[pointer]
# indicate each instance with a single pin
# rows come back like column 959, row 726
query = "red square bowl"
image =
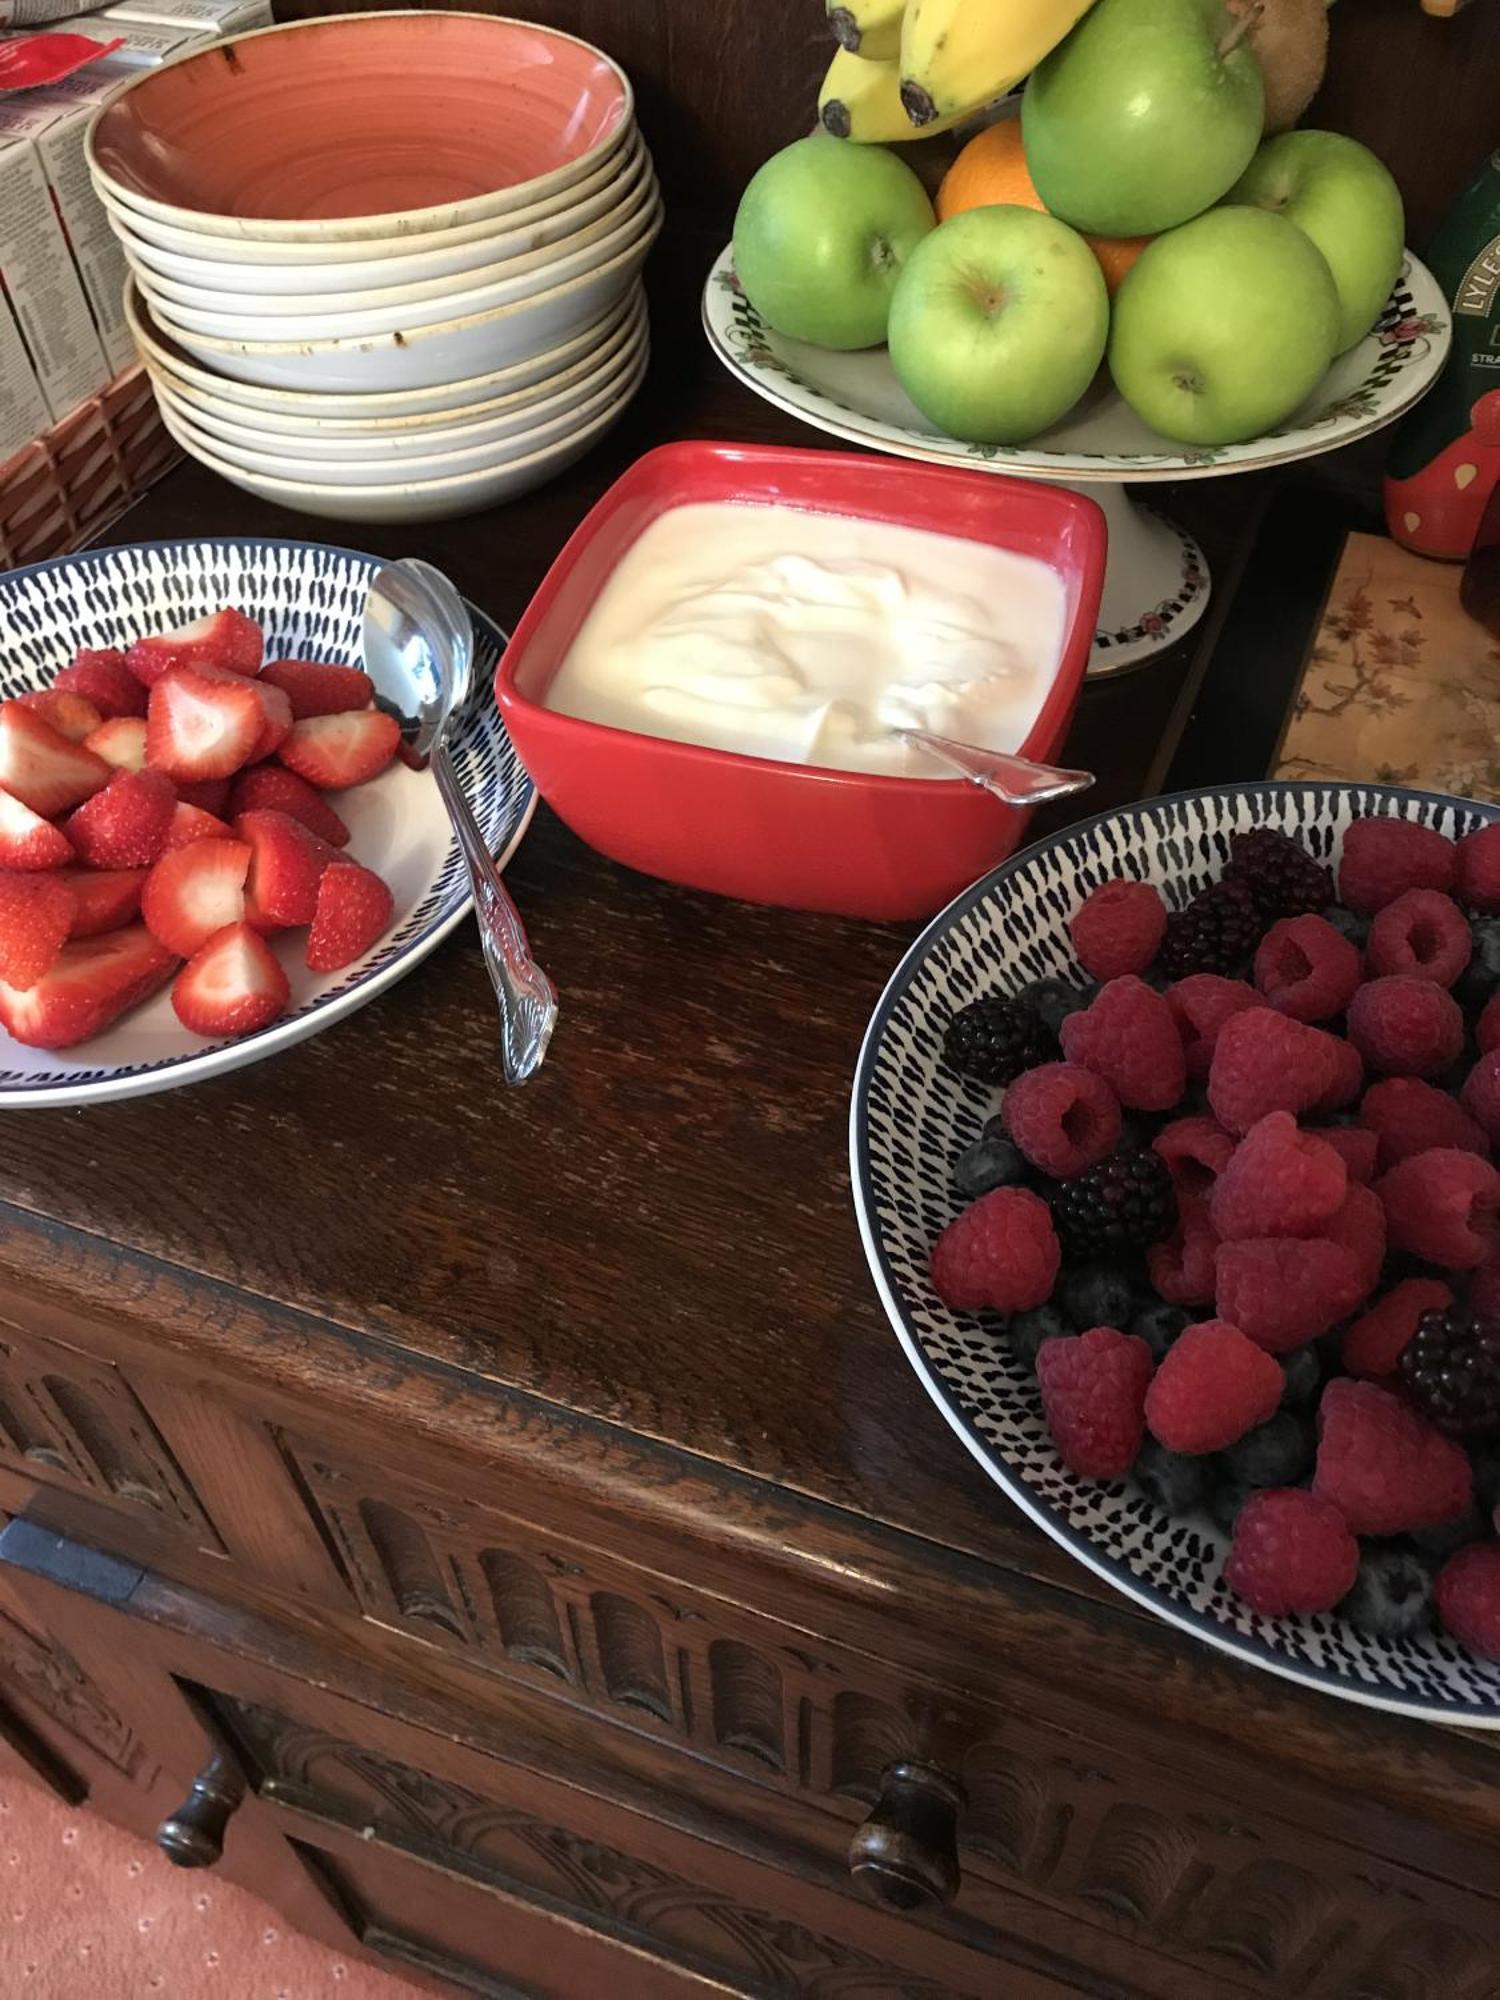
column 765, row 831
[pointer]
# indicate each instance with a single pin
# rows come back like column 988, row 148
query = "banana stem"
column 1242, row 25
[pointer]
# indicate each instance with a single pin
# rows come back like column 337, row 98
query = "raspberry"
column 1266, row 1062
column 1479, row 869
column 1404, row 1026
column 1215, row 932
column 1281, row 1182
column 1000, row 1255
column 1200, row 1005
column 1360, row 1228
column 1281, row 875
column 1481, row 1093
column 1063, row 1118
column 1422, row 933
column 1307, row 969
column 1129, row 1038
column 1358, row 1149
column 1291, row 1552
column 1196, row 1150
column 1347, row 1077
column 1386, row 1469
column 1410, row 1116
column 1372, row 1345
column 1094, row 1393
column 1182, row 1268
column 1284, row 1290
column 1442, row 1205
column 1487, row 1027
column 1467, row 1594
column 1384, row 857
column 1118, row 929
column 1212, row 1387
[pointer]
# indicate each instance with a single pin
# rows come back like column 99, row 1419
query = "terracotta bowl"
column 361, row 125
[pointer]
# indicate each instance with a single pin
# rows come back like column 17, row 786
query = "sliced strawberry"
column 210, row 795
column 126, row 824
column 194, row 892
column 121, row 742
column 354, row 909
column 332, row 751
column 42, row 769
column 232, row 985
column 27, row 840
column 273, row 788
column 103, row 678
column 104, row 898
column 36, row 914
column 285, row 871
column 93, row 982
column 190, row 823
column 318, row 690
column 71, row 715
column 201, row 727
column 225, row 639
column 276, row 721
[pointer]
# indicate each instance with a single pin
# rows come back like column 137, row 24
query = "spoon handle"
column 527, row 997
column 1017, row 781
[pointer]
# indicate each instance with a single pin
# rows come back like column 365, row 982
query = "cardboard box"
column 222, row 17
column 24, row 414
column 145, row 44
column 55, row 121
column 41, row 280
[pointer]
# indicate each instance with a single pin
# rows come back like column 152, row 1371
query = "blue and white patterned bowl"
column 910, row 1117
column 310, row 600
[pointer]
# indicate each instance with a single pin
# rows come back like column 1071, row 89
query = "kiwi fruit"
column 1290, row 38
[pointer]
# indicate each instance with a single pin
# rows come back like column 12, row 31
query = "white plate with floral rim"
column 857, row 396
column 310, row 601
column 910, row 1117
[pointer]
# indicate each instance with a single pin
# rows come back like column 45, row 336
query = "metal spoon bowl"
column 419, row 652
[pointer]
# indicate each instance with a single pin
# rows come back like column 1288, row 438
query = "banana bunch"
column 868, row 28
column 862, row 100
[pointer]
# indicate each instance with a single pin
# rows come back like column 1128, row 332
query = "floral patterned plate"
column 857, row 396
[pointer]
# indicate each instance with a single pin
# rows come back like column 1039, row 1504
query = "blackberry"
column 1176, row 1483
column 1096, row 1295
column 991, row 1162
column 1216, row 932
column 1053, row 1000
column 1123, row 1204
column 1282, row 877
column 1451, row 1368
column 1392, row 1595
column 1348, row 923
column 1276, row 1453
column 993, row 1040
column 1029, row 1329
column 1159, row 1326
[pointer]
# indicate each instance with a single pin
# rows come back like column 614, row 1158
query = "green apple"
column 998, row 323
column 822, row 233
column 1224, row 326
column 1339, row 194
column 1144, row 115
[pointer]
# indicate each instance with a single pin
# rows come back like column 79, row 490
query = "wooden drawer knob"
column 906, row 1853
column 193, row 1837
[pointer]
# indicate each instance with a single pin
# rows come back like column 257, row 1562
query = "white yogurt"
column 808, row 637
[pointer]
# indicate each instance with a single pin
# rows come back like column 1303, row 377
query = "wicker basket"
column 63, row 488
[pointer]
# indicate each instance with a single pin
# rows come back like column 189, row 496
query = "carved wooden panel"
column 75, row 1422
column 39, row 1670
column 510, row 1848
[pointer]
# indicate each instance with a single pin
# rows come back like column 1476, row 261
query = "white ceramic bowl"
column 441, row 458
column 316, row 437
column 197, row 263
column 396, row 406
column 422, row 356
column 415, row 500
column 274, row 261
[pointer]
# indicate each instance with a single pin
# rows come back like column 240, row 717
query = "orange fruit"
column 991, row 172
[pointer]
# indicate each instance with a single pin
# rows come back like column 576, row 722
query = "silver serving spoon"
column 1015, row 780
column 419, row 651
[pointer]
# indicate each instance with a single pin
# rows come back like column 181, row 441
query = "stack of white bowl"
column 371, row 364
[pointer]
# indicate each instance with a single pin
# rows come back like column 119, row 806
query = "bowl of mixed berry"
column 1174, row 1151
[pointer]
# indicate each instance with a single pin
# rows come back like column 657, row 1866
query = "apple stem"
column 1241, row 27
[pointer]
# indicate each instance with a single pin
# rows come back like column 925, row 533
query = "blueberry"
column 1175, row 1482
column 1392, row 1595
column 1304, row 1377
column 1446, row 1538
column 1096, row 1295
column 1225, row 1500
column 1485, row 932
column 1159, row 1326
column 1053, row 1000
column 1485, row 1459
column 1029, row 1329
column 1349, row 924
column 988, row 1164
column 1276, row 1453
